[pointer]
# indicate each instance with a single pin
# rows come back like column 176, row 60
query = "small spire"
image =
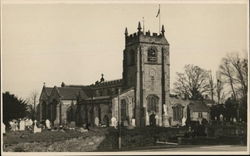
column 44, row 84
column 102, row 79
column 139, row 27
column 162, row 30
column 126, row 32
column 62, row 84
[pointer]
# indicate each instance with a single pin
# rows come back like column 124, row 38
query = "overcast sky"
column 75, row 43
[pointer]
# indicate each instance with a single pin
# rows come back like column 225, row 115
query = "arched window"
column 124, row 110
column 152, row 103
column 177, row 112
column 152, row 55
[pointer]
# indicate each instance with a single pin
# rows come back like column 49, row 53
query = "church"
column 141, row 98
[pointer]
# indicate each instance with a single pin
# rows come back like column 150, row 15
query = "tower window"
column 152, row 55
column 152, row 103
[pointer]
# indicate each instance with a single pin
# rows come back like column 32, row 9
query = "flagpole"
column 160, row 19
column 143, row 24
column 159, row 16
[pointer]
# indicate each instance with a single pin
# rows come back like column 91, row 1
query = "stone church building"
column 142, row 95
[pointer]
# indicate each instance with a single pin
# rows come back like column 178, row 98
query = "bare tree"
column 219, row 89
column 211, row 85
column 235, row 73
column 234, row 70
column 193, row 83
column 33, row 100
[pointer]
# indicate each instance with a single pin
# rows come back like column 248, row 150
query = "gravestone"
column 133, row 122
column 48, row 125
column 72, row 125
column 3, row 128
column 113, row 122
column 29, row 123
column 15, row 125
column 221, row 117
column 156, row 120
column 165, row 121
column 97, row 121
column 234, row 120
column 36, row 129
column 183, row 121
column 200, row 120
column 125, row 123
column 22, row 125
column 11, row 123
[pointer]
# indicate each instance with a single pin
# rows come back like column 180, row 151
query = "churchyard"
column 101, row 138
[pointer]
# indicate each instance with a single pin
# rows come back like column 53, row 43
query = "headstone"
column 28, row 123
column 11, row 123
column 165, row 121
column 72, row 125
column 47, row 123
column 3, row 128
column 15, row 125
column 183, row 121
column 200, row 120
column 221, row 117
column 156, row 120
column 22, row 125
column 113, row 122
column 82, row 130
column 125, row 123
column 215, row 118
column 165, row 109
column 234, row 120
column 36, row 129
column 97, row 121
column 133, row 122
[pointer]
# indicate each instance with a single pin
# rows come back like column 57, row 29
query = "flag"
column 158, row 13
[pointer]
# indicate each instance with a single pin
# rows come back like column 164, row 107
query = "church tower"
column 146, row 68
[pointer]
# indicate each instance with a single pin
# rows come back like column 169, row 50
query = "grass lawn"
column 70, row 140
column 104, row 139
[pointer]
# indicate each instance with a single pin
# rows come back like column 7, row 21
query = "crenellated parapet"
column 145, row 37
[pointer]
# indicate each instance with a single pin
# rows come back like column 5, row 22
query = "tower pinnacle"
column 126, row 32
column 139, row 27
column 162, row 30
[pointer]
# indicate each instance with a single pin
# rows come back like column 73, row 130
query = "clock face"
column 152, row 55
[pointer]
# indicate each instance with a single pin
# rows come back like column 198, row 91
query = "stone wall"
column 128, row 96
column 173, row 102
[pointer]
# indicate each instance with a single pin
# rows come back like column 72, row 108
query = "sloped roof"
column 48, row 90
column 70, row 93
column 198, row 106
column 110, row 83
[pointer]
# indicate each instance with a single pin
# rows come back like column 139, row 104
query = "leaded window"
column 178, row 113
column 152, row 101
